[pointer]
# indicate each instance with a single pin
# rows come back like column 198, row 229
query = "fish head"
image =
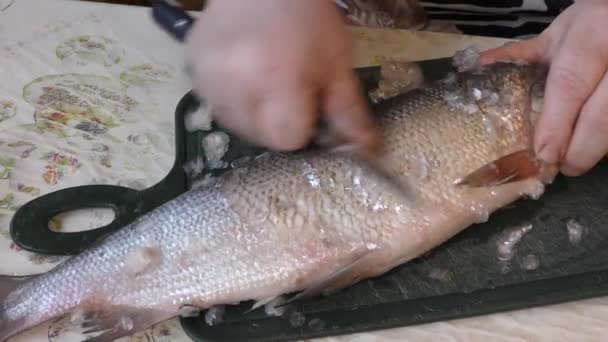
column 468, row 120
column 511, row 92
column 508, row 96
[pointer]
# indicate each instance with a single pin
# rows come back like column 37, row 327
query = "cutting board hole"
column 80, row 220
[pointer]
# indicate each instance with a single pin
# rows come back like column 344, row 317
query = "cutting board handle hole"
column 81, row 220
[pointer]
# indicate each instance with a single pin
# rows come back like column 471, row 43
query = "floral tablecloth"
column 88, row 95
column 81, row 104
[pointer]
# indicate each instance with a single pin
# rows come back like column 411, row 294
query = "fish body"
column 308, row 222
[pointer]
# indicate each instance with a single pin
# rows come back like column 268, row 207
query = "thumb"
column 347, row 111
column 531, row 50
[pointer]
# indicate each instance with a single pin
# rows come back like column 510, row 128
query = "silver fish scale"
column 282, row 223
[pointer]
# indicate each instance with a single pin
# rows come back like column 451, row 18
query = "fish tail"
column 10, row 326
column 105, row 323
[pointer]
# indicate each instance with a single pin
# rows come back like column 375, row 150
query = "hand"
column 269, row 70
column 573, row 126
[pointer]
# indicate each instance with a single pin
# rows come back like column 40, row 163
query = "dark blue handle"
column 173, row 20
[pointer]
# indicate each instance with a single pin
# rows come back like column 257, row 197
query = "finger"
column 347, row 111
column 531, row 50
column 589, row 142
column 575, row 71
column 287, row 117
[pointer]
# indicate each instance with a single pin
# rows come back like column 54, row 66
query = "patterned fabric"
column 78, row 105
column 496, row 18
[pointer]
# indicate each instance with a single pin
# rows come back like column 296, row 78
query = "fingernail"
column 549, row 154
column 571, row 171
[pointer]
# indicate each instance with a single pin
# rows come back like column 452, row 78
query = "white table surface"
column 29, row 32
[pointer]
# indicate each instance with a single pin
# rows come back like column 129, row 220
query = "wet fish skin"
column 310, row 222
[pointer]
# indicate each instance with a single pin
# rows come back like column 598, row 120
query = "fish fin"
column 95, row 326
column 104, row 325
column 512, row 167
column 345, row 276
column 275, row 307
column 8, row 284
column 258, row 304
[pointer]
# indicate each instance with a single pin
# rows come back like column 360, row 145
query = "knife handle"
column 173, row 20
